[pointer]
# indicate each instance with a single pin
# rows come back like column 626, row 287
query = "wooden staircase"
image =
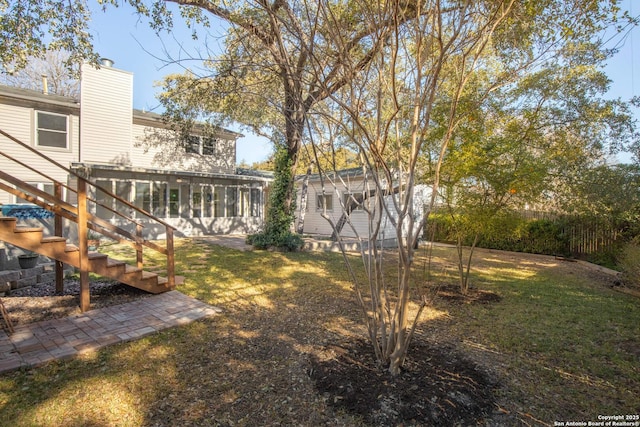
column 32, row 239
column 82, row 212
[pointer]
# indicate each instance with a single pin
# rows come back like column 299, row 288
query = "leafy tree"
column 518, row 147
column 444, row 101
column 280, row 61
column 30, row 28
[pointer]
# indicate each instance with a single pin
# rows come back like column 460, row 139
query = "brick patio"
column 38, row 343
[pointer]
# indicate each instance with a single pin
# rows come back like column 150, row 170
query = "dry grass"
column 561, row 344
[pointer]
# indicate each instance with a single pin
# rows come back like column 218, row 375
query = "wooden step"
column 56, row 247
column 8, row 222
column 50, row 239
column 23, row 229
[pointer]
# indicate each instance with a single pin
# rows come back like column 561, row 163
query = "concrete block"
column 27, row 281
column 7, row 276
column 47, row 277
column 31, row 272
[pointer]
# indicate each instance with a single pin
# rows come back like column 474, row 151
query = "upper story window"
column 200, row 145
column 209, row 146
column 192, row 144
column 51, row 130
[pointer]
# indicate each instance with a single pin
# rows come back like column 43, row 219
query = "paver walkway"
column 38, row 343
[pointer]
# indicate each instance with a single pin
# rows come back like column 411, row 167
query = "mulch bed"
column 436, row 387
column 40, row 302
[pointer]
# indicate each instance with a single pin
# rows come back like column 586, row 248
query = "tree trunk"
column 303, row 200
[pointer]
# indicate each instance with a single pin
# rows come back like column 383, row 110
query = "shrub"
column 285, row 241
column 629, row 263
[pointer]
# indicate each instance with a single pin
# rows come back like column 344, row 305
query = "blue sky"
column 121, row 36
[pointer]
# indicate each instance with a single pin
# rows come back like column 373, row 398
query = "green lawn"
column 564, row 346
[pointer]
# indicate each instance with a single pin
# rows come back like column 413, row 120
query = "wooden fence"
column 588, row 237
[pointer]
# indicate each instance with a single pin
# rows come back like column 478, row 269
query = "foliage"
column 629, row 263
column 520, row 147
column 611, row 192
column 30, row 28
column 277, row 229
column 508, row 231
column 279, row 62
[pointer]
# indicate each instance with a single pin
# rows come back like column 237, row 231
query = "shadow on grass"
column 251, row 364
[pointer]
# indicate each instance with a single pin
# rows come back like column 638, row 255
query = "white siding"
column 19, row 122
column 160, row 148
column 106, row 115
column 314, row 223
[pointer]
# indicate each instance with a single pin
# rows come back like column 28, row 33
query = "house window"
column 352, row 202
column 324, row 202
column 192, row 144
column 42, row 186
column 209, row 146
column 232, row 201
column 174, row 202
column 159, row 200
column 143, row 196
column 243, row 202
column 123, row 190
column 255, row 202
column 51, row 130
column 104, row 202
column 218, row 202
column 185, row 195
column 207, row 197
column 196, row 201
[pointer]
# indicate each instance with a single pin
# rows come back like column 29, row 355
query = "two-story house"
column 192, row 185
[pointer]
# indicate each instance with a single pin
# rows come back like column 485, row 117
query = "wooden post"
column 139, row 258
column 59, row 266
column 85, row 298
column 171, row 273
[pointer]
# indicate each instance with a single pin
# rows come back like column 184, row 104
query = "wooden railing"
column 83, row 217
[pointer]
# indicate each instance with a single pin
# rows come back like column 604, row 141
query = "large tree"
column 418, row 113
column 280, row 61
column 530, row 137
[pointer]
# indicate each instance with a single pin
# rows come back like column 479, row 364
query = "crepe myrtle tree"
column 429, row 81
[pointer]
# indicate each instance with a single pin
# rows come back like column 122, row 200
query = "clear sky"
column 121, row 36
